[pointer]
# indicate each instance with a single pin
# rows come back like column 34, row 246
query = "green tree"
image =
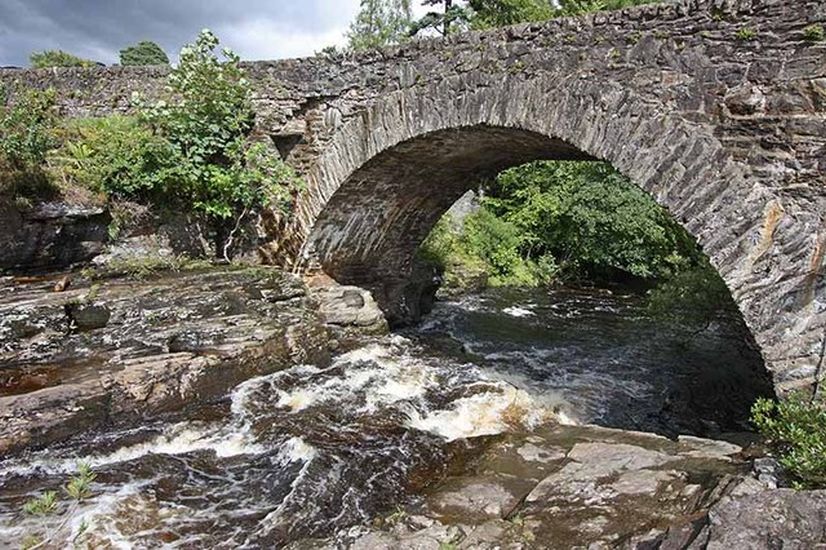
column 143, row 53
column 579, row 7
column 499, row 13
column 449, row 17
column 593, row 220
column 380, row 23
column 58, row 58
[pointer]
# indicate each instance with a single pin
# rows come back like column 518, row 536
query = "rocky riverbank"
column 82, row 354
column 117, row 349
column 563, row 487
column 103, row 351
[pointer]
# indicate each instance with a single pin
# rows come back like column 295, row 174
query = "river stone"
column 349, row 313
column 84, row 317
column 533, row 453
column 564, row 487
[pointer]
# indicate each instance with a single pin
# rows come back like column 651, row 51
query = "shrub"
column 26, row 134
column 143, row 53
column 116, row 155
column 26, row 126
column 796, row 428
column 814, row 33
column 43, row 505
column 79, row 486
column 206, row 122
column 58, row 58
column 191, row 151
column 746, row 34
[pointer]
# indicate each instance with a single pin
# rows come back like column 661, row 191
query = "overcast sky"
column 98, row 29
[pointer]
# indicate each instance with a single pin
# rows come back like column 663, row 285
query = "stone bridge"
column 716, row 108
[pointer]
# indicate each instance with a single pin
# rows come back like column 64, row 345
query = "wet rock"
column 50, row 414
column 84, row 317
column 405, row 297
column 349, row 313
column 124, row 348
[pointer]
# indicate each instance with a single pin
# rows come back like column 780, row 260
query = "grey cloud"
column 98, row 29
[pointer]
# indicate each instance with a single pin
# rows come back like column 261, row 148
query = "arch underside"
column 371, row 228
column 386, row 177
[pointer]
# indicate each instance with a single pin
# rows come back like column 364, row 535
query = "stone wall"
column 717, row 108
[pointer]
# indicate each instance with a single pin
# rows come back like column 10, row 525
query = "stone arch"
column 359, row 227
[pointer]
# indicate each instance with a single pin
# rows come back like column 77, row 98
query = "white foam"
column 298, row 450
column 516, row 311
column 486, row 413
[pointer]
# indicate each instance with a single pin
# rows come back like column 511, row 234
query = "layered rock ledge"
column 114, row 350
column 563, row 487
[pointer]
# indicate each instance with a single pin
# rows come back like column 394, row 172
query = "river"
column 313, row 450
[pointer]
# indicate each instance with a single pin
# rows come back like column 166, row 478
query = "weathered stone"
column 608, row 489
column 349, row 312
column 782, row 518
column 475, row 500
column 726, row 133
column 121, row 348
column 50, row 235
column 83, row 317
column 745, row 100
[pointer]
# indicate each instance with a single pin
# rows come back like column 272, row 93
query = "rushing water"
column 310, row 450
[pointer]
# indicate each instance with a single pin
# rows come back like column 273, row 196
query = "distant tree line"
column 143, row 53
column 386, row 22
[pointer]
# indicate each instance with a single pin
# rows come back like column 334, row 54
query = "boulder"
column 50, row 235
column 778, row 518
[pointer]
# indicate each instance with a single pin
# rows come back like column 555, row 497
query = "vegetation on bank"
column 26, row 136
column 796, row 429
column 553, row 221
column 76, row 490
column 58, row 58
column 189, row 151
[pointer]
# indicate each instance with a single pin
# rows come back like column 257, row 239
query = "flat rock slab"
column 566, row 487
